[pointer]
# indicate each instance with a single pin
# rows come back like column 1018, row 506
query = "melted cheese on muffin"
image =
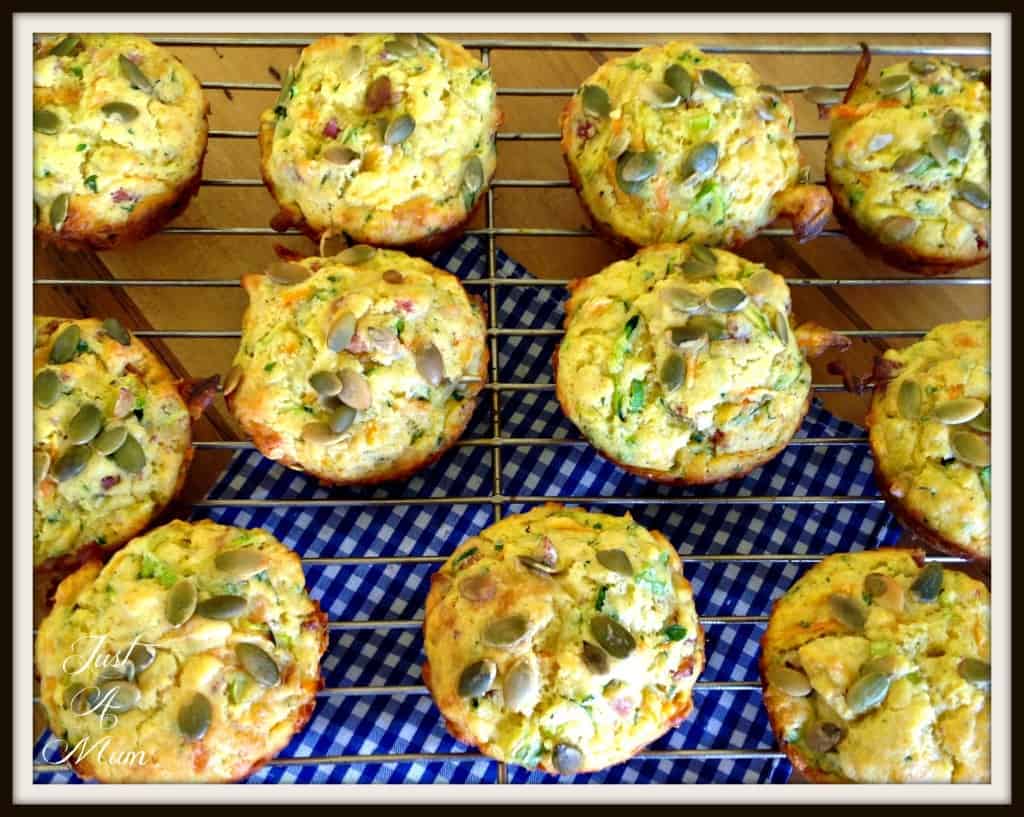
column 717, row 158
column 84, row 495
column 562, row 639
column 387, row 138
column 902, row 698
column 658, row 378
column 909, row 160
column 186, row 609
column 387, row 316
column 115, row 149
column 927, row 455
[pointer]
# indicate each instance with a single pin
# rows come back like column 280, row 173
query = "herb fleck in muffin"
column 908, row 164
column 562, row 640
column 388, row 139
column 671, row 144
column 112, row 438
column 119, row 138
column 930, row 429
column 192, row 657
column 680, row 365
column 875, row 670
column 358, row 368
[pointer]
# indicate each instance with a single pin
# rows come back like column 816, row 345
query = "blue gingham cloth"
column 380, row 724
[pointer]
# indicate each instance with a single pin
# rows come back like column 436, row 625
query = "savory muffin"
column 192, row 657
column 119, row 138
column 562, row 640
column 680, row 365
column 930, row 430
column 112, row 438
column 386, row 138
column 358, row 368
column 908, row 164
column 672, row 144
column 875, row 670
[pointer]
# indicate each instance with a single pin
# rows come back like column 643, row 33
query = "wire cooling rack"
column 494, row 286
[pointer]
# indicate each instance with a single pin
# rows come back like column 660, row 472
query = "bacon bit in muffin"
column 585, row 129
column 110, row 481
column 121, row 195
column 331, row 128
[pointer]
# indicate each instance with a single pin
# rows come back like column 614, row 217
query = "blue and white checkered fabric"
column 347, row 725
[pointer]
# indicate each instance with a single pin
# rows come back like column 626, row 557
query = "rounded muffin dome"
column 112, row 437
column 930, row 428
column 680, row 364
column 562, row 640
column 193, row 656
column 875, row 669
column 119, row 138
column 672, row 144
column 908, row 163
column 358, row 368
column 386, row 138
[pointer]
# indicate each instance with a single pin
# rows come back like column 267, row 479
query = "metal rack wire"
column 497, row 442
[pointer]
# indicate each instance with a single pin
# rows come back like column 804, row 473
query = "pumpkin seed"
column 727, row 299
column 45, row 121
column 703, row 254
column 355, row 255
column 399, row 48
column 682, row 300
column 339, row 155
column 478, row 588
column 77, row 699
column 113, row 327
column 566, row 758
column 822, row 736
column 116, row 672
column 615, row 639
column 355, row 390
column 399, row 130
column 595, row 101
column 110, row 440
column 141, row 657
column 867, row 692
column 520, row 685
column 473, row 175
column 340, row 331
column 791, row 681
column 40, row 466
column 848, row 610
column 181, row 602
column 691, row 338
column 130, row 457
column 619, row 144
column 702, row 160
column 240, row 564
column 325, row 383
column 46, row 388
column 122, row 111
column 673, row 372
column 928, row 584
column 893, row 84
column 710, row 325
column 393, row 276
column 637, row 167
column 677, row 78
column 960, row 410
column 287, row 273
column 696, row 270
column 231, row 380
column 72, row 463
column 595, row 659
column 124, row 696
column 341, row 419
column 320, row 434
column 352, row 62
column 780, row 325
column 477, row 678
column 908, row 399
column 923, row 66
column 879, row 141
column 65, row 47
column 974, row 194
column 427, row 43
column 659, row 95
column 910, row 163
column 976, row 672
column 258, row 664
column 876, row 584
column 430, row 364
column 887, row 665
column 938, row 147
column 59, row 210
column 717, row 84
column 896, row 229
column 764, row 113
column 616, row 561
column 506, row 632
column 379, row 94
column 85, row 425
column 983, row 422
column 134, row 75
column 823, row 96
column 222, row 608
column 537, row 566
column 195, row 716
column 970, row 448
